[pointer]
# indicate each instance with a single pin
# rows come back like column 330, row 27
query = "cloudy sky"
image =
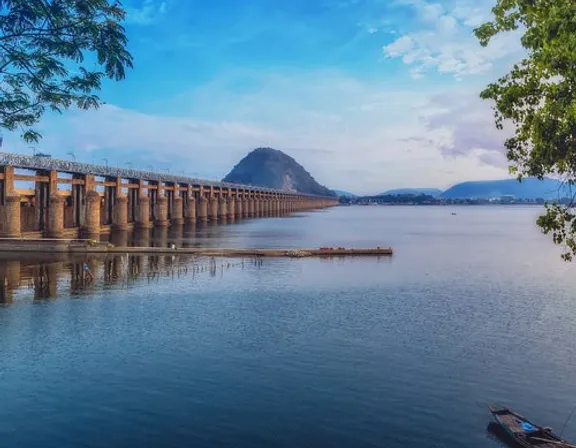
column 366, row 94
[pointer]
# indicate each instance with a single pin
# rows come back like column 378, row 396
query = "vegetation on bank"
column 537, row 98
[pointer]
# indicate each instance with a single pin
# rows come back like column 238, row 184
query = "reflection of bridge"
column 60, row 276
column 58, row 198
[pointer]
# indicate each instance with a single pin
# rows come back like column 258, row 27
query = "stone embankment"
column 75, row 246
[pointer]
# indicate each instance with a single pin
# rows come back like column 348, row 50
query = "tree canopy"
column 46, row 47
column 538, row 96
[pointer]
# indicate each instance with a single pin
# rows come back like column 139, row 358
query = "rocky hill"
column 271, row 168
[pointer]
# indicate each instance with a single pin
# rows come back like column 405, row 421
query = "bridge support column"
column 162, row 212
column 239, row 208
column 56, row 216
column 214, row 209
column 191, row 210
column 143, row 218
column 10, row 219
column 120, row 213
column 202, row 209
column 231, row 208
column 177, row 210
column 10, row 222
column 222, row 208
column 257, row 207
column 92, row 223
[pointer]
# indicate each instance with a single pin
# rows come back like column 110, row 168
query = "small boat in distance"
column 524, row 432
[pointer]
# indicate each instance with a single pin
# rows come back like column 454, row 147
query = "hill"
column 435, row 192
column 345, row 194
column 529, row 188
column 271, row 168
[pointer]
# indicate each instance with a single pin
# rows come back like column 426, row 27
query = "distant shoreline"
column 491, row 204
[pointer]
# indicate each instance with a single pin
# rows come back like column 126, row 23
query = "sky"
column 366, row 94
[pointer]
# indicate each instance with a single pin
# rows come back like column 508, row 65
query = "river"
column 399, row 351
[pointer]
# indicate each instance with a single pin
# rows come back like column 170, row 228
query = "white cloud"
column 469, row 122
column 430, row 11
column 352, row 135
column 403, row 46
column 146, row 13
column 447, row 44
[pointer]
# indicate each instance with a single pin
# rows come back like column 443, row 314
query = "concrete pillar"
column 222, row 208
column 10, row 222
column 177, row 210
column 256, row 207
column 143, row 216
column 162, row 212
column 120, row 213
column 191, row 210
column 92, row 223
column 240, row 207
column 231, row 207
column 10, row 219
column 202, row 210
column 56, row 216
column 214, row 209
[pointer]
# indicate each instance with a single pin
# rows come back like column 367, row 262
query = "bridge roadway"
column 41, row 196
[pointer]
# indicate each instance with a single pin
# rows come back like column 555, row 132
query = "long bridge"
column 42, row 196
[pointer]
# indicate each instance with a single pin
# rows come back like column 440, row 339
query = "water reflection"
column 200, row 234
column 62, row 275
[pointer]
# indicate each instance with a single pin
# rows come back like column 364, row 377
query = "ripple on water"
column 391, row 352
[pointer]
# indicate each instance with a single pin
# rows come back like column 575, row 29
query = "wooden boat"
column 524, row 432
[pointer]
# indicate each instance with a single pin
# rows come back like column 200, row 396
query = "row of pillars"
column 153, row 206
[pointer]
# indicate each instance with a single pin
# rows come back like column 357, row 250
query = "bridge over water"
column 41, row 196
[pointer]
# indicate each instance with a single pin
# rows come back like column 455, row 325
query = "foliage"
column 538, row 97
column 43, row 46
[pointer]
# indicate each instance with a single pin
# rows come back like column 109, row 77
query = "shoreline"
column 73, row 246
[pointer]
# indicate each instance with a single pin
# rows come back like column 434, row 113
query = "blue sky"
column 366, row 94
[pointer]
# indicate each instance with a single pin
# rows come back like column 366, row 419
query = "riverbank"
column 74, row 246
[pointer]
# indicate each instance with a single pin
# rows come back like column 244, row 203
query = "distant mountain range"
column 529, row 188
column 268, row 167
column 434, row 192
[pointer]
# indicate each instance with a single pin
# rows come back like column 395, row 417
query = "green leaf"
column 42, row 47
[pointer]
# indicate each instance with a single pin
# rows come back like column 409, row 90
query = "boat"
column 524, row 432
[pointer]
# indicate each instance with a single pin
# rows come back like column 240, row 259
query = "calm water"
column 390, row 352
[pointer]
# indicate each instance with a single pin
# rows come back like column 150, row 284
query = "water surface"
column 387, row 352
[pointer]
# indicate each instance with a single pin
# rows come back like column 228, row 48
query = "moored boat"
column 524, row 432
